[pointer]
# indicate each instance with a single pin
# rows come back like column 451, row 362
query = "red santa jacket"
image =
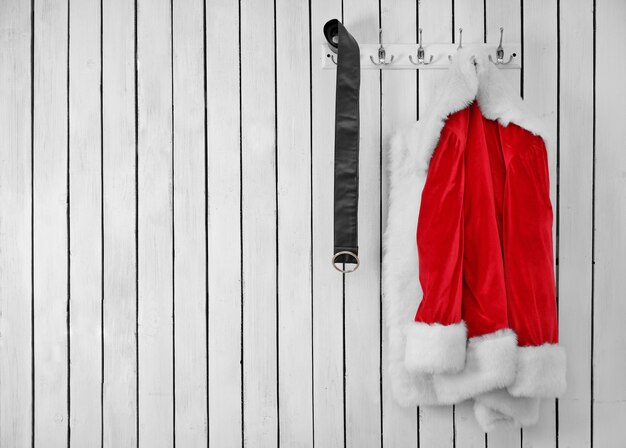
column 469, row 285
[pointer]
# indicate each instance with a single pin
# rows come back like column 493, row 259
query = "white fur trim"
column 499, row 409
column 498, row 101
column 491, row 420
column 490, row 364
column 402, row 291
column 435, row 348
column 540, row 372
column 407, row 389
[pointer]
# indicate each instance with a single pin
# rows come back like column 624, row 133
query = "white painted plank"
column 260, row 375
column 15, row 225
column 436, row 426
column 327, row 283
column 120, row 293
column 575, row 214
column 223, row 202
column 155, row 264
column 435, row 18
column 50, row 225
column 189, row 225
column 468, row 431
column 509, row 16
column 540, row 93
column 85, row 224
column 609, row 363
column 436, row 423
column 362, row 288
column 469, row 15
column 399, row 107
column 294, row 224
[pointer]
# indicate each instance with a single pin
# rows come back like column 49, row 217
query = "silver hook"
column 332, row 58
column 460, row 43
column 420, row 54
column 381, row 52
column 500, row 52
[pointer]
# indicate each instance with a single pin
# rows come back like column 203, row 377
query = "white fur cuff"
column 491, row 420
column 491, row 362
column 540, row 372
column 407, row 389
column 499, row 409
column 435, row 348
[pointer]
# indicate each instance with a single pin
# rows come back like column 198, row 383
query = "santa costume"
column 468, row 268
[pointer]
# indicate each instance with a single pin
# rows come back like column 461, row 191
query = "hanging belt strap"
column 346, row 248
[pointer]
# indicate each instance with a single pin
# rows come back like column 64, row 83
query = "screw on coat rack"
column 500, row 52
column 382, row 56
column 420, row 53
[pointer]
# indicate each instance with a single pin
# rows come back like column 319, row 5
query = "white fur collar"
column 499, row 101
column 469, row 78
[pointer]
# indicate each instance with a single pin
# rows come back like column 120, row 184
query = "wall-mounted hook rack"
column 402, row 53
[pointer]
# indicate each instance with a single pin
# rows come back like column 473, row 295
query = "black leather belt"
column 346, row 248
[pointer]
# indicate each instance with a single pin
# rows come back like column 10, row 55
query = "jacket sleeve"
column 530, row 276
column 436, row 340
column 528, row 247
column 440, row 234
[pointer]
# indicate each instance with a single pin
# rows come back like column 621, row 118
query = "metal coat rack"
column 424, row 57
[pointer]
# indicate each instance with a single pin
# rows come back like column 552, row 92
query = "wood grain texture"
column 399, row 108
column 224, row 231
column 50, row 223
column 260, row 369
column 15, row 224
column 609, row 344
column 541, row 95
column 85, row 195
column 508, row 15
column 328, row 340
column 155, row 229
column 190, row 344
column 295, row 369
column 575, row 220
column 120, row 263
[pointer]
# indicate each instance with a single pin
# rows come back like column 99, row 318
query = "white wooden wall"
column 166, row 221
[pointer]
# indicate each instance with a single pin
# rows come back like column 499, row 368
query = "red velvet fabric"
column 484, row 231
